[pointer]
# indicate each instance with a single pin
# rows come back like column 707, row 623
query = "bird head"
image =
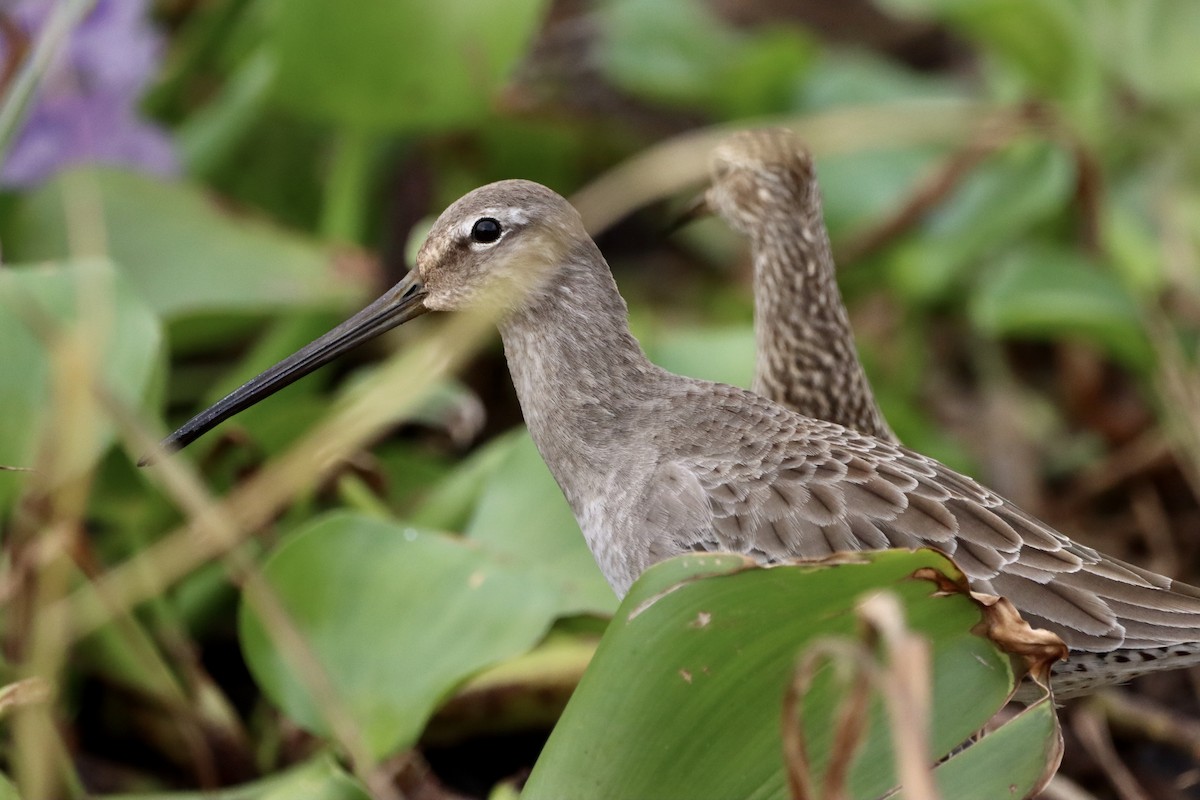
column 491, row 248
column 758, row 177
column 496, row 246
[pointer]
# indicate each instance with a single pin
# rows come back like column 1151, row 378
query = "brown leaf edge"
column 1032, row 651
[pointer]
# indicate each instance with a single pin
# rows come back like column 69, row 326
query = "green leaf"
column 1009, row 761
column 183, row 254
column 1130, row 237
column 861, row 188
column 7, row 790
column 451, row 503
column 690, row 675
column 127, row 345
column 766, row 75
column 994, row 205
column 396, row 617
column 859, row 78
column 680, row 53
column 523, row 518
column 1150, row 45
column 319, row 779
column 398, row 64
column 208, row 135
column 667, row 51
column 1040, row 40
column 1049, row 291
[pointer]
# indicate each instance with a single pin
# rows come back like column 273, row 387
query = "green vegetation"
column 373, row 571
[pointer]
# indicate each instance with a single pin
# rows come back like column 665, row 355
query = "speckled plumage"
column 655, row 464
column 764, row 186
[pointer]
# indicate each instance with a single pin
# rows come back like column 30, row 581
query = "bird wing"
column 816, row 488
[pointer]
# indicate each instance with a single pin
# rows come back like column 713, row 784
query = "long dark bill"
column 404, row 301
column 697, row 208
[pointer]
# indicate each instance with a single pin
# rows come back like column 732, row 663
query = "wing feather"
column 804, row 488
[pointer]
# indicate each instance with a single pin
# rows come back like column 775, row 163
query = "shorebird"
column 764, row 185
column 655, row 464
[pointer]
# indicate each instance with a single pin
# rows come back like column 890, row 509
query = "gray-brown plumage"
column 655, row 464
column 765, row 187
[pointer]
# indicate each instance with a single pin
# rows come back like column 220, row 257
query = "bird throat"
column 579, row 373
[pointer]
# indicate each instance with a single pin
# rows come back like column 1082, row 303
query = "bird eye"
column 485, row 231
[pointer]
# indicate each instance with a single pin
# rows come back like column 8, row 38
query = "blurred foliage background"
column 195, row 188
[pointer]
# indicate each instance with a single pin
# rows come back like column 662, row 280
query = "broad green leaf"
column 398, row 64
column 1050, row 291
column 396, row 617
column 523, row 518
column 208, row 136
column 859, row 189
column 7, row 790
column 997, row 203
column 182, row 253
column 1131, row 241
column 672, row 52
column 319, row 779
column 280, row 164
column 690, row 676
column 524, row 693
column 123, row 344
column 857, row 77
column 1010, row 761
column 681, row 53
column 450, row 504
column 1149, row 45
column 1040, row 40
column 766, row 76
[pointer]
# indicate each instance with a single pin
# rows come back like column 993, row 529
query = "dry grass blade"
column 46, row 549
column 1092, row 729
column 1142, row 717
column 216, row 529
column 45, row 531
column 899, row 667
column 681, row 163
column 27, row 692
column 398, row 384
column 48, row 525
column 852, row 665
column 184, row 486
column 18, row 92
column 906, row 681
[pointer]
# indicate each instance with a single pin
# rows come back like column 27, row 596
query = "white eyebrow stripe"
column 512, row 214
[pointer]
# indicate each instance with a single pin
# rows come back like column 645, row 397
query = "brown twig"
column 1146, row 719
column 930, row 193
column 1091, row 727
column 853, row 665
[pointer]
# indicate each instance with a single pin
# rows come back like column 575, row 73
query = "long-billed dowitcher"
column 655, row 464
column 764, row 186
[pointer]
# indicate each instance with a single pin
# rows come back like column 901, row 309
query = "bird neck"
column 806, row 355
column 579, row 373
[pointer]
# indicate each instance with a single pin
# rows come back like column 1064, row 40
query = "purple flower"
column 86, row 106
